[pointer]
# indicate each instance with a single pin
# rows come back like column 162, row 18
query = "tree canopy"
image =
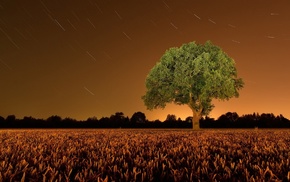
column 192, row 74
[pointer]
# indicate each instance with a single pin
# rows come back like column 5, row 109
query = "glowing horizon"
column 90, row 58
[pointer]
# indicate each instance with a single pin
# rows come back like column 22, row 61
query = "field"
column 144, row 155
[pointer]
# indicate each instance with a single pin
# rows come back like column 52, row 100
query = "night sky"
column 88, row 58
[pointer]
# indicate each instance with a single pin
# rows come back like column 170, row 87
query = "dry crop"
column 144, row 155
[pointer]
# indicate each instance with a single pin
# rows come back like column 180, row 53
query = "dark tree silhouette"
column 138, row 118
column 92, row 122
column 29, row 122
column 188, row 119
column 11, row 118
column 118, row 120
column 228, row 120
column 170, row 117
column 2, row 119
column 53, row 121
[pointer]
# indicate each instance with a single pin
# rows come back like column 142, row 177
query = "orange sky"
column 91, row 57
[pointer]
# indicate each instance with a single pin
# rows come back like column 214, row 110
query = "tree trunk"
column 196, row 113
column 195, row 120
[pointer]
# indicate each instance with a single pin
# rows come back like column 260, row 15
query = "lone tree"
column 192, row 74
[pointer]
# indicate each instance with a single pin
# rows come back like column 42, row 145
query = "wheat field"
column 144, row 155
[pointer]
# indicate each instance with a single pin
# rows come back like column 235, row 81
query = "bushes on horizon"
column 138, row 120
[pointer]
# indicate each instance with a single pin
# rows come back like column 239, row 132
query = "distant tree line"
column 138, row 120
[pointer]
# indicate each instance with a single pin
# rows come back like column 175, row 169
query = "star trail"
column 89, row 58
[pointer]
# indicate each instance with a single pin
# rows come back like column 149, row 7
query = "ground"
column 144, row 155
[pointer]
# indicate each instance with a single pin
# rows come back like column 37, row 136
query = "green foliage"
column 192, row 74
